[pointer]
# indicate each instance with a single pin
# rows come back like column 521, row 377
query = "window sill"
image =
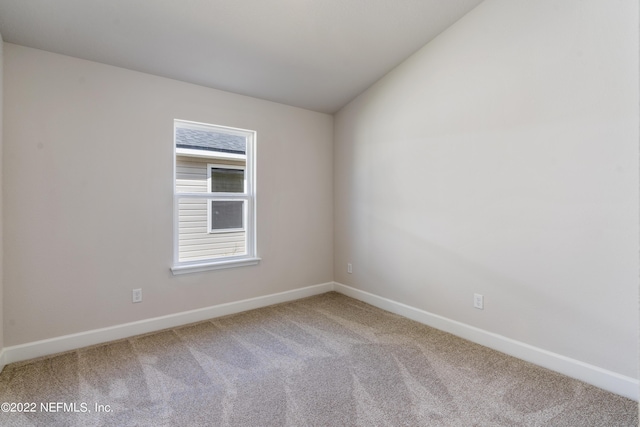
column 213, row 265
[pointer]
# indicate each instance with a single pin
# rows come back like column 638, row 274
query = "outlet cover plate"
column 478, row 301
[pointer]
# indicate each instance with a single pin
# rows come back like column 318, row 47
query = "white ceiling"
column 314, row 54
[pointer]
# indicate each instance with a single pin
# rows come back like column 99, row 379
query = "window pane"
column 227, row 214
column 196, row 242
column 227, row 180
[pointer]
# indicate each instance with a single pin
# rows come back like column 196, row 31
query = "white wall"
column 1, row 210
column 502, row 159
column 88, row 179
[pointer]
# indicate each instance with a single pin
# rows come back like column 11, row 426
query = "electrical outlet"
column 136, row 295
column 349, row 268
column 478, row 301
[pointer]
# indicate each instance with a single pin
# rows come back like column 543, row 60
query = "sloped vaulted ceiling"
column 314, row 54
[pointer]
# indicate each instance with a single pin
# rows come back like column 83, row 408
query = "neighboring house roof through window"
column 197, row 139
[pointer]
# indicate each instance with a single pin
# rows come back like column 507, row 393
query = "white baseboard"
column 46, row 347
column 602, row 378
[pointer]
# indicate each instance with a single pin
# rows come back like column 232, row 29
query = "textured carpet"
column 328, row 360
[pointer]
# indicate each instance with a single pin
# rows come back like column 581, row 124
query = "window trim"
column 249, row 196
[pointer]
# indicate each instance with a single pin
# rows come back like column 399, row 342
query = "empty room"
column 319, row 213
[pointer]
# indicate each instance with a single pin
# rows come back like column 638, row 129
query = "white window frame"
column 249, row 197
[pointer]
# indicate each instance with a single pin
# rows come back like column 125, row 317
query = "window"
column 225, row 215
column 214, row 197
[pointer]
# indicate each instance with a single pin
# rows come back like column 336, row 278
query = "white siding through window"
column 194, row 240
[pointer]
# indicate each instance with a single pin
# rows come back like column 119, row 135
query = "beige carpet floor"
column 327, row 360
